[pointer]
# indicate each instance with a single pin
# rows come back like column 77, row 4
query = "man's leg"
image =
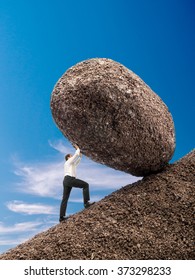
column 77, row 183
column 66, row 194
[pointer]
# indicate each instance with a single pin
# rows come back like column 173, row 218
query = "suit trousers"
column 68, row 183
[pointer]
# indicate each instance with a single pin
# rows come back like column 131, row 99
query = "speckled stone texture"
column 114, row 117
column 150, row 219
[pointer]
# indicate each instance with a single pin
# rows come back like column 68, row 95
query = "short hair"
column 67, row 156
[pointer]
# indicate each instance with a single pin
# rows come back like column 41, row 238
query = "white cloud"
column 19, row 227
column 41, row 179
column 102, row 177
column 59, row 146
column 27, row 208
column 11, row 241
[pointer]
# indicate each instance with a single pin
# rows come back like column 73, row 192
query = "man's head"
column 68, row 156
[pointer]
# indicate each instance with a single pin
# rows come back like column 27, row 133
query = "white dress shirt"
column 71, row 164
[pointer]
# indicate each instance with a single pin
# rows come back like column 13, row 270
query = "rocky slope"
column 150, row 219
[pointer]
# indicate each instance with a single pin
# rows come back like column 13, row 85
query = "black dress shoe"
column 88, row 204
column 63, row 219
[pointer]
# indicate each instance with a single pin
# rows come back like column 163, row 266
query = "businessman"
column 70, row 181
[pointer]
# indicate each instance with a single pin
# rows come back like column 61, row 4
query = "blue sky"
column 40, row 40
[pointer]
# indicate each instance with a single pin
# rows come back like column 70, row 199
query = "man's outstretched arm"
column 76, row 155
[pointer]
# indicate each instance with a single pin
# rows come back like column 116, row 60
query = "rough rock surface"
column 150, row 219
column 114, row 117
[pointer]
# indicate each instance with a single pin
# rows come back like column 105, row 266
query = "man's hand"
column 76, row 146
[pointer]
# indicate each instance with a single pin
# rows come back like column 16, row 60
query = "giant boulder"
column 114, row 117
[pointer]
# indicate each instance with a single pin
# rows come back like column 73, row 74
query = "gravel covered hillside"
column 150, row 219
